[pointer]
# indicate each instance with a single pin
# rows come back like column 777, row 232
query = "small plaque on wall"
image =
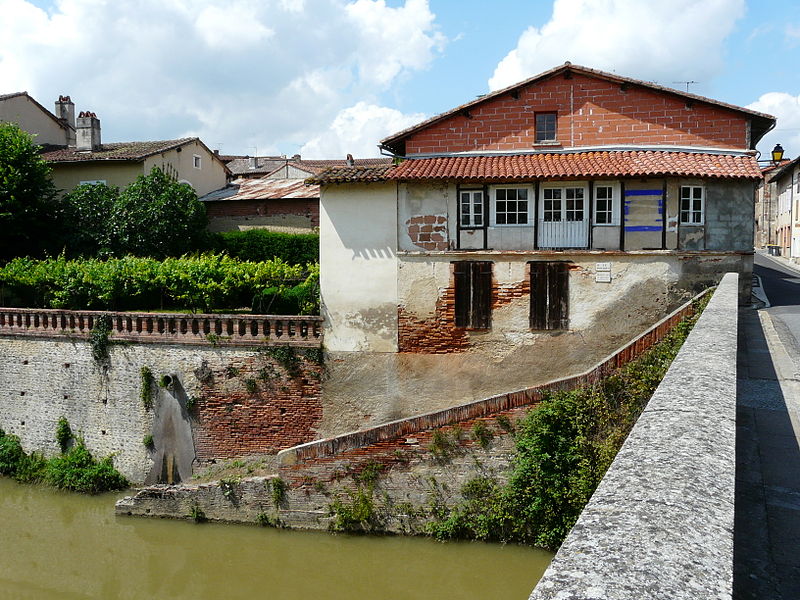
column 602, row 272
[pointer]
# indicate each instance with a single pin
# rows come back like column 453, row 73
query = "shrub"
column 63, row 434
column 259, row 245
column 76, row 470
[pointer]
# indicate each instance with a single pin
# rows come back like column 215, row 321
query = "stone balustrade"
column 222, row 329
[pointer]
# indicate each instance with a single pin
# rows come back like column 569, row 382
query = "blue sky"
column 327, row 77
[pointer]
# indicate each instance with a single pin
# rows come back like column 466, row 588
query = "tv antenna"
column 687, row 83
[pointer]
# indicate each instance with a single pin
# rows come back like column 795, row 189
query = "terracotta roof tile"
column 356, row 173
column 114, row 151
column 583, row 164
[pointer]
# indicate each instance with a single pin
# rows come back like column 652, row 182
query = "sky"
column 323, row 78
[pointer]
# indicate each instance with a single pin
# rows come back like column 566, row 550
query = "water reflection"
column 65, row 546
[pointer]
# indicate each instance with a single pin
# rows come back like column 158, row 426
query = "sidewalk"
column 767, row 519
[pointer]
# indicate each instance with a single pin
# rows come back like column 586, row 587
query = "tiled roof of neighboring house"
column 115, row 151
column 764, row 119
column 351, row 174
column 643, row 163
column 780, row 170
column 240, row 165
column 318, row 166
column 263, row 189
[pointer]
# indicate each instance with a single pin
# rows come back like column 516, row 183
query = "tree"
column 87, row 215
column 29, row 212
column 156, row 216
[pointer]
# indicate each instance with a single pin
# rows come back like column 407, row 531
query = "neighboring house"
column 30, row 116
column 526, row 234
column 766, row 207
column 286, row 205
column 271, row 194
column 75, row 151
column 784, row 182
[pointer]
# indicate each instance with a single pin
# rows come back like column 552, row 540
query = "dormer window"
column 545, row 128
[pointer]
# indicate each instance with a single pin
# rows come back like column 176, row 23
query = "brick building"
column 525, row 234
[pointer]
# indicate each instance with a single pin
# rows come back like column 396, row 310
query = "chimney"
column 296, row 157
column 350, row 161
column 253, row 162
column 87, row 132
column 65, row 111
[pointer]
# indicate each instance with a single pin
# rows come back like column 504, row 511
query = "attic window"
column 197, row 161
column 545, row 127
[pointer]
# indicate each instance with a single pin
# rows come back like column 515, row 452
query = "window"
column 692, row 205
column 605, row 204
column 545, row 128
column 563, row 204
column 471, row 209
column 93, row 182
column 198, row 161
column 473, row 294
column 510, row 206
column 549, row 295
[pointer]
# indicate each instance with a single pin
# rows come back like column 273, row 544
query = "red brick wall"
column 428, row 232
column 265, row 208
column 234, row 421
column 439, row 334
column 602, row 114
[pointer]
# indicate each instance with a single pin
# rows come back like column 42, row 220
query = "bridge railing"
column 214, row 329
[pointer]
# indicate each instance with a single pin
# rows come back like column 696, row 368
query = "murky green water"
column 66, row 546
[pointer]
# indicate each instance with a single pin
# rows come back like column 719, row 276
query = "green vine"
column 146, row 387
column 99, row 338
column 63, row 434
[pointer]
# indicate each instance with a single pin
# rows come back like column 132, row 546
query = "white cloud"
column 270, row 74
column 356, row 130
column 664, row 41
column 786, row 108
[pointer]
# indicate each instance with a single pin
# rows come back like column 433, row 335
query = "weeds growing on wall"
column 277, row 488
column 563, row 448
column 146, row 381
column 63, row 434
column 287, row 357
column 99, row 338
column 75, row 469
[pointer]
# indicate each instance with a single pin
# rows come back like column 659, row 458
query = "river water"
column 58, row 545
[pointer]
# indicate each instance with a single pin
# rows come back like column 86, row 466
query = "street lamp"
column 777, row 154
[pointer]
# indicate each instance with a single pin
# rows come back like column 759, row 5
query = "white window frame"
column 197, row 161
column 530, row 199
column 616, row 198
column 472, row 215
column 692, row 210
column 93, row 182
column 563, row 185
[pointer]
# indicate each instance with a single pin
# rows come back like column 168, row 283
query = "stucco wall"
column 31, row 118
column 209, row 177
column 367, row 388
column 67, row 176
column 245, row 402
column 358, row 267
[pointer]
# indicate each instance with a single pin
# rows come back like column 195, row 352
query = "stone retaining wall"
column 394, row 464
column 660, row 525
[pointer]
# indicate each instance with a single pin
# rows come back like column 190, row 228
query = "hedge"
column 259, row 245
column 207, row 283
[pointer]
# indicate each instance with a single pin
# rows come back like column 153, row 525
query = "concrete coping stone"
column 660, row 524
